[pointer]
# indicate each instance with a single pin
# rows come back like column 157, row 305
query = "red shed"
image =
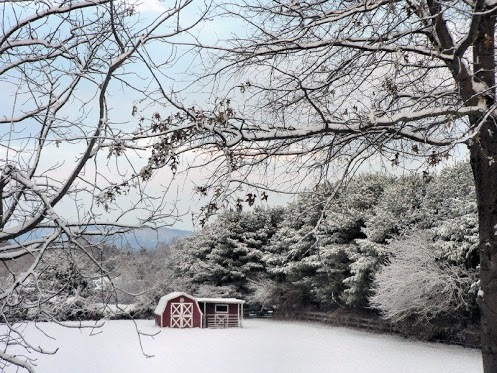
column 221, row 312
column 178, row 310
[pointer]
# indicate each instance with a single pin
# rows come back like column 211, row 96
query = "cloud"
column 150, row 6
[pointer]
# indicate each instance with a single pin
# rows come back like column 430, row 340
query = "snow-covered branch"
column 70, row 72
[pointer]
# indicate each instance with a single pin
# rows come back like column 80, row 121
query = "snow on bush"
column 416, row 283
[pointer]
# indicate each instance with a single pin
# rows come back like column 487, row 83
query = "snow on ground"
column 260, row 346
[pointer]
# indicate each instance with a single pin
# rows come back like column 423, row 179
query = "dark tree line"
column 348, row 248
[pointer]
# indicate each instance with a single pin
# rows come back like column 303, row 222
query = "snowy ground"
column 261, row 346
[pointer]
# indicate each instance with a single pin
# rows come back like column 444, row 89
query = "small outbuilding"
column 221, row 312
column 181, row 310
column 178, row 310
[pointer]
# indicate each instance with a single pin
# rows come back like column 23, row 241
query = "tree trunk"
column 485, row 174
column 483, row 150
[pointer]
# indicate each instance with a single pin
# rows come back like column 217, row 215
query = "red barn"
column 180, row 310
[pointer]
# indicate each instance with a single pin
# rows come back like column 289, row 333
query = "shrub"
column 416, row 284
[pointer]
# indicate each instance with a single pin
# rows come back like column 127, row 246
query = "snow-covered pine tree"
column 226, row 253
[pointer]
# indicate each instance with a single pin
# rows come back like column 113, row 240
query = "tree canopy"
column 411, row 261
column 65, row 70
column 333, row 83
column 322, row 86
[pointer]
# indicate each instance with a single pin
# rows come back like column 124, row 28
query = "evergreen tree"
column 227, row 252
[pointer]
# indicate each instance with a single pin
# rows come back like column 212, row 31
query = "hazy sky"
column 181, row 195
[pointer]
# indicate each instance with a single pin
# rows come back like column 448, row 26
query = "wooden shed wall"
column 166, row 315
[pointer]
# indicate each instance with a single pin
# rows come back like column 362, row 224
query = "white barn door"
column 181, row 315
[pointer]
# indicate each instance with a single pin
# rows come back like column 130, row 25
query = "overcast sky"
column 181, row 193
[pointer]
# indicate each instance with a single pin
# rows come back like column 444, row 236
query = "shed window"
column 221, row 308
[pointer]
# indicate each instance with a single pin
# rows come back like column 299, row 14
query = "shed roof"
column 159, row 310
column 221, row 300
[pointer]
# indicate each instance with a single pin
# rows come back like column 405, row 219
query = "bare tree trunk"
column 486, row 191
column 484, row 164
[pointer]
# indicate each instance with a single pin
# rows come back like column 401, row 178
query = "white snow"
column 480, row 87
column 166, row 298
column 221, row 300
column 260, row 346
column 175, row 294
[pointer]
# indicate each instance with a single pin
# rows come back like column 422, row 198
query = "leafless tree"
column 66, row 70
column 338, row 82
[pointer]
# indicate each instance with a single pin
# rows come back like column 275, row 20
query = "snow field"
column 260, row 346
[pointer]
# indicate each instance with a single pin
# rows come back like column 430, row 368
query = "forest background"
column 404, row 247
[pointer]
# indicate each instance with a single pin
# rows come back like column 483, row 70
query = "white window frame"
column 222, row 305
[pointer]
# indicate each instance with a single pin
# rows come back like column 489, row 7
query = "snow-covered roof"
column 221, row 300
column 159, row 310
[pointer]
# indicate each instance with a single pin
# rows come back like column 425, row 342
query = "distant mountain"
column 135, row 239
column 148, row 238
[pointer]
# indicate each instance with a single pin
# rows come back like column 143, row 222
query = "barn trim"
column 221, row 308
